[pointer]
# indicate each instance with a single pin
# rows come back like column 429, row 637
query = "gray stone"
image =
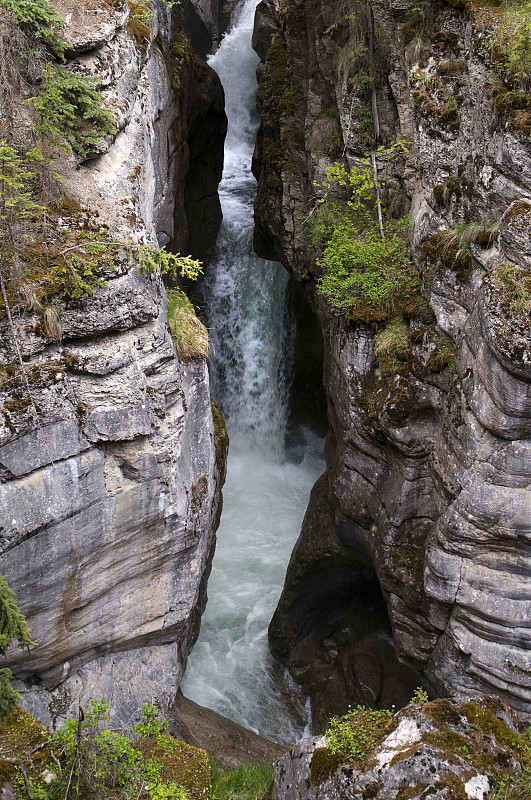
column 428, row 470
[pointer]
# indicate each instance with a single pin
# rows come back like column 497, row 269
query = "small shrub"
column 511, row 57
column 88, row 760
column 420, row 695
column 174, row 265
column 357, row 734
column 368, row 273
column 366, row 277
column 13, row 627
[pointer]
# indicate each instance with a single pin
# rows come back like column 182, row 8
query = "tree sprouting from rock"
column 13, row 627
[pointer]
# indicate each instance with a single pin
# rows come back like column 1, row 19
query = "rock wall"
column 110, row 464
column 427, row 482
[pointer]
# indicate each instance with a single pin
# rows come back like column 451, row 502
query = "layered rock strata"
column 110, row 463
column 427, row 482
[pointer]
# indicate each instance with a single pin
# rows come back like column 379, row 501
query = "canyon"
column 413, row 560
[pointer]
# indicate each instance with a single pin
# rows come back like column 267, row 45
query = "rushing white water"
column 267, row 487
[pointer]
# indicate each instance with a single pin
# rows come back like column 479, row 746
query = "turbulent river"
column 268, row 482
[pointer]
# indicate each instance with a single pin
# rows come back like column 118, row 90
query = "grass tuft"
column 247, row 782
column 189, row 335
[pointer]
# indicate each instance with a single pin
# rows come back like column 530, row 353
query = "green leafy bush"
column 86, row 760
column 420, row 695
column 368, row 274
column 512, row 44
column 355, row 735
column 366, row 277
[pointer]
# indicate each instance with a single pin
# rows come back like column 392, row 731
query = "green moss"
column 484, row 239
column 409, row 556
column 443, row 355
column 415, row 790
column 449, row 248
column 17, row 405
column 273, row 183
column 221, row 437
column 439, row 193
column 323, row 764
column 447, row 739
column 273, row 154
column 274, row 93
column 454, row 786
column 181, row 56
column 139, row 31
column 443, row 191
column 453, row 185
column 483, row 716
column 451, row 68
column 181, row 763
column 21, row 736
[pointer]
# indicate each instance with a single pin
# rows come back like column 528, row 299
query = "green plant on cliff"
column 511, row 787
column 188, row 333
column 355, row 735
column 69, row 111
column 13, row 628
column 364, row 254
column 512, row 44
column 40, row 19
column 86, row 759
column 174, row 265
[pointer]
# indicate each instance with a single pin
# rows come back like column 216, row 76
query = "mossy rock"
column 323, row 764
column 221, row 437
column 181, row 763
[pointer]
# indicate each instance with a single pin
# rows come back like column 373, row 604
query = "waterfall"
column 268, row 485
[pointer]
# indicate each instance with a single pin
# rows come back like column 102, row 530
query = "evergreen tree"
column 12, row 627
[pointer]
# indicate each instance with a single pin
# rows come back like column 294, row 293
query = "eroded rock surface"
column 109, row 476
column 428, row 459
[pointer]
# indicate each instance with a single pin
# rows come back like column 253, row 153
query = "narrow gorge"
column 117, row 404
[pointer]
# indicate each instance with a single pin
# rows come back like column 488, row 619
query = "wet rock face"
column 110, row 464
column 428, row 468
column 441, row 749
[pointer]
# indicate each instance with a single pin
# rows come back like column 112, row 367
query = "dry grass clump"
column 189, row 335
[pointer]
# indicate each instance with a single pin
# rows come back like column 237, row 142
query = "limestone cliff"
column 426, row 493
column 110, row 464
